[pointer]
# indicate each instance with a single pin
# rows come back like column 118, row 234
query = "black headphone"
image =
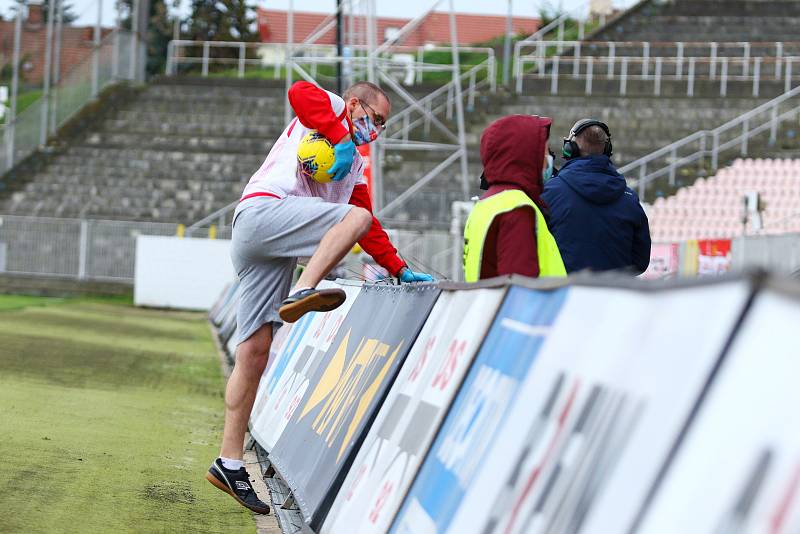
column 570, row 150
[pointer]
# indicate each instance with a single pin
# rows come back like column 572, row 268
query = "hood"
column 512, row 152
column 594, row 178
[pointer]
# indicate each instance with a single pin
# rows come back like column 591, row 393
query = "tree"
column 159, row 33
column 69, row 15
column 222, row 20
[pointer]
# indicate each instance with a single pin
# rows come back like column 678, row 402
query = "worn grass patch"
column 110, row 418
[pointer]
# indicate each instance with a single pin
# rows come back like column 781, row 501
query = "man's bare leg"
column 240, row 394
column 334, row 245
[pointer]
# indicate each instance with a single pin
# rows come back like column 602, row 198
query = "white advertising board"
column 286, row 378
column 594, row 420
column 738, row 469
column 412, row 412
column 616, row 381
column 181, row 273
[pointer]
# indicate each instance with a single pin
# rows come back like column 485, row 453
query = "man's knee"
column 254, row 351
column 362, row 219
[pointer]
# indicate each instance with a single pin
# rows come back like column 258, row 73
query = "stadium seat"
column 713, row 207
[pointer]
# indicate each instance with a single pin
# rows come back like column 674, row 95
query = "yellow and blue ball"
column 315, row 157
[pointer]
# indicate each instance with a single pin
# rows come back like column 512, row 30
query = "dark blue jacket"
column 596, row 218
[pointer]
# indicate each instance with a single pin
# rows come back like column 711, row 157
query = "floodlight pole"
column 287, row 108
column 176, row 28
column 372, row 42
column 377, row 151
column 115, row 51
column 134, row 51
column 339, row 48
column 48, row 53
column 57, row 65
column 462, row 136
column 96, row 51
column 12, row 114
column 507, row 44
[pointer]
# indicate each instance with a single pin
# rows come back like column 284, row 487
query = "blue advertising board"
column 506, row 357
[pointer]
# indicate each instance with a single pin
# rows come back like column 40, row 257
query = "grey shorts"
column 269, row 235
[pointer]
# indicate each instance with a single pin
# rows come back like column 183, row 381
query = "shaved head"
column 367, row 92
column 592, row 141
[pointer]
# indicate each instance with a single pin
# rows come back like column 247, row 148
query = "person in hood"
column 596, row 218
column 506, row 232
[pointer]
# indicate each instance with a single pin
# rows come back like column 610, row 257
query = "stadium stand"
column 184, row 147
column 170, row 153
column 711, row 20
column 714, row 207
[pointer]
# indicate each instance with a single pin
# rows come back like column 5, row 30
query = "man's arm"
column 641, row 244
column 313, row 107
column 376, row 243
column 516, row 243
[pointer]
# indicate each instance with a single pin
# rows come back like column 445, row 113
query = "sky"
column 87, row 9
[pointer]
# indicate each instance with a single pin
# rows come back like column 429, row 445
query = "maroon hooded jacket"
column 512, row 153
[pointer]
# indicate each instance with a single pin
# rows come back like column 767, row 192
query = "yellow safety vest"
column 479, row 221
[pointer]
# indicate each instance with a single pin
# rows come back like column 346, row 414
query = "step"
column 152, row 157
column 203, row 144
column 175, row 127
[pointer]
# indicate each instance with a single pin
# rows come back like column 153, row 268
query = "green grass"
column 110, row 417
column 24, row 100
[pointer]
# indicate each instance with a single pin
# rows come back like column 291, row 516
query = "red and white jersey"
column 279, row 176
column 325, row 112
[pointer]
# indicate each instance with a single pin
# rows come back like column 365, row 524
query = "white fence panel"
column 182, row 273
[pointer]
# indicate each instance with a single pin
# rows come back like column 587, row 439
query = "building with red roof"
column 433, row 29
column 77, row 43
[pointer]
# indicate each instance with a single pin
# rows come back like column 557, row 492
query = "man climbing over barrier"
column 283, row 216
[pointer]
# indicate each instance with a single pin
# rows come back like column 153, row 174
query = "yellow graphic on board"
column 340, row 387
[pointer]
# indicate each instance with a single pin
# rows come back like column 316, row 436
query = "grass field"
column 110, row 416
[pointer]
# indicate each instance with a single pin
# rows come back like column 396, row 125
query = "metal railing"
column 428, row 113
column 656, row 61
column 110, row 63
column 710, row 144
column 558, row 26
column 221, row 218
column 656, row 70
column 80, row 249
column 406, row 60
column 440, row 101
column 377, row 70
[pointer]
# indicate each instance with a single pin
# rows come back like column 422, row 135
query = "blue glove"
column 343, row 159
column 408, row 276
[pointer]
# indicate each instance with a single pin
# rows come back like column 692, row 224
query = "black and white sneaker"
column 237, row 485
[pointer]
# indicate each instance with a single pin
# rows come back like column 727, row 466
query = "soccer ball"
column 315, row 157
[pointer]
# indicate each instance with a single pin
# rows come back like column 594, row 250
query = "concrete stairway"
column 706, row 20
column 180, row 149
column 173, row 153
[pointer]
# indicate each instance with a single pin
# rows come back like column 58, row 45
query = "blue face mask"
column 364, row 130
column 548, row 172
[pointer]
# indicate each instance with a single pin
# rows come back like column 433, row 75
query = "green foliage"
column 24, row 100
column 68, row 14
column 222, row 20
column 159, row 33
column 550, row 11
